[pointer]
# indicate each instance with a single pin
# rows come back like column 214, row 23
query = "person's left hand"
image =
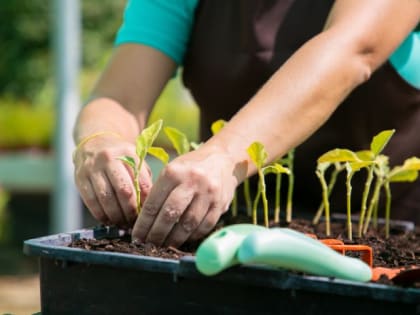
column 188, row 198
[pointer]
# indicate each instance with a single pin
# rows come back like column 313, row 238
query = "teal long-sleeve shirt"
column 166, row 26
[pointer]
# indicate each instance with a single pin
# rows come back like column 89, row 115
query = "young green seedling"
column 381, row 172
column 376, row 147
column 351, row 168
column 352, row 164
column 289, row 162
column 144, row 143
column 320, row 173
column 408, row 172
column 338, row 167
column 277, row 195
column 258, row 155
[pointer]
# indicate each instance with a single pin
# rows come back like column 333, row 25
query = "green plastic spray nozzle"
column 218, row 251
column 278, row 247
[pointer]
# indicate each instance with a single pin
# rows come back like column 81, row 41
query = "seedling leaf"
column 399, row 174
column 217, row 126
column 178, row 139
column 356, row 166
column 338, row 155
column 380, row 141
column 258, row 154
column 146, row 138
column 365, row 155
column 128, row 160
column 412, row 164
column 159, row 153
column 275, row 168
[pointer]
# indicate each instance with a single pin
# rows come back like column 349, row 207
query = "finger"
column 189, row 222
column 173, row 208
column 108, row 199
column 207, row 225
column 150, row 209
column 124, row 189
column 89, row 198
column 145, row 182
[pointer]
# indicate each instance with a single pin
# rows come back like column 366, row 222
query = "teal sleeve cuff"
column 406, row 59
column 162, row 24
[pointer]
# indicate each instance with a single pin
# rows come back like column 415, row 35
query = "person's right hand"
column 105, row 183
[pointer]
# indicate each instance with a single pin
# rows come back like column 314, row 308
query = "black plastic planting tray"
column 77, row 281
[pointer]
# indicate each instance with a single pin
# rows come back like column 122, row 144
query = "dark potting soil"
column 400, row 250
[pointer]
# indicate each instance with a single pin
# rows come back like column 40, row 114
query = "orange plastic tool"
column 401, row 276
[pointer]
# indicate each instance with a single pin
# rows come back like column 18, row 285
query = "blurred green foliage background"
column 27, row 88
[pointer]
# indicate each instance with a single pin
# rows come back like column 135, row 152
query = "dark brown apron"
column 236, row 45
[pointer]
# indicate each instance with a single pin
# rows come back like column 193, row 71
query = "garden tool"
column 279, row 247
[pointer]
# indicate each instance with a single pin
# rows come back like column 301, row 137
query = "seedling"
column 289, row 162
column 338, row 167
column 277, row 203
column 258, row 155
column 351, row 169
column 320, row 173
column 408, row 172
column 144, row 143
column 277, row 195
column 352, row 164
column 376, row 147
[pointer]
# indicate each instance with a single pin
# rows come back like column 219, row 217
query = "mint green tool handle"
column 289, row 249
column 218, row 251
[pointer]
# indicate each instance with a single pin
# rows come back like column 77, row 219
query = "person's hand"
column 187, row 200
column 105, row 183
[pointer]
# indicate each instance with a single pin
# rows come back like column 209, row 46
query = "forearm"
column 307, row 89
column 294, row 102
column 126, row 92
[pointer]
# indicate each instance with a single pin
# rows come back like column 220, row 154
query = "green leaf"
column 356, row 166
column 217, row 126
column 365, row 155
column 338, row 155
column 159, row 153
column 398, row 174
column 128, row 160
column 146, row 138
column 275, row 168
column 412, row 164
column 178, row 139
column 258, row 154
column 380, row 141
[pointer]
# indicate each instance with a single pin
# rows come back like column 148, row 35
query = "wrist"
column 86, row 139
column 239, row 163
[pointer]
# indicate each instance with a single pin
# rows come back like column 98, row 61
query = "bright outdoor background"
column 28, row 122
